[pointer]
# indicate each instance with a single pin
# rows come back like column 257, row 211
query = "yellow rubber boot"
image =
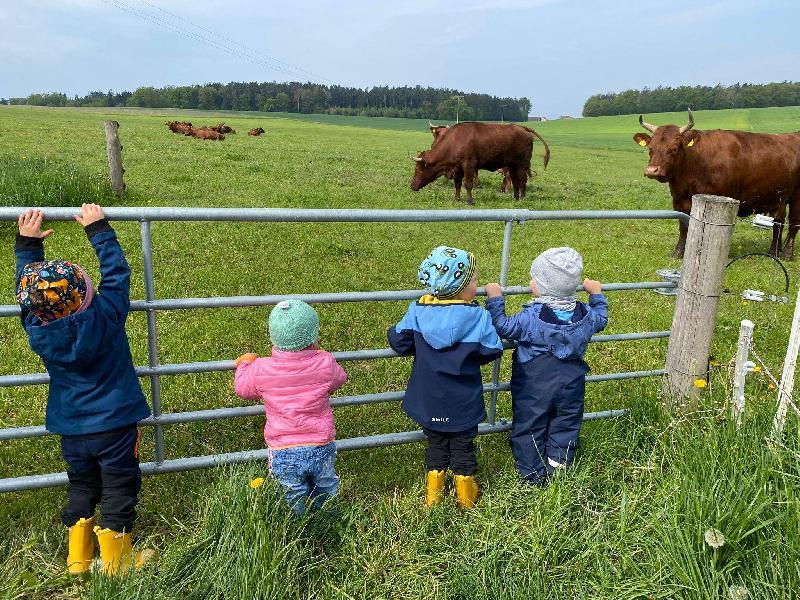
column 434, row 487
column 116, row 552
column 81, row 547
column 466, row 490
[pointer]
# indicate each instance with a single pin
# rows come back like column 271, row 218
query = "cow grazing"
column 256, row 132
column 182, row 127
column 439, row 130
column 205, row 133
column 470, row 146
column 760, row 170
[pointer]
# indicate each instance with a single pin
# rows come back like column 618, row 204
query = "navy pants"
column 547, row 396
column 103, row 468
column 451, row 449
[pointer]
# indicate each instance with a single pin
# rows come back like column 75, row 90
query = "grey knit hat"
column 557, row 272
column 293, row 325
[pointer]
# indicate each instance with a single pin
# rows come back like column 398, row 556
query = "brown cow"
column 182, row 127
column 256, row 132
column 760, row 170
column 470, row 146
column 439, row 130
column 205, row 133
column 222, row 128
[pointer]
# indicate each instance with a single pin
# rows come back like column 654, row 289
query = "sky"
column 557, row 53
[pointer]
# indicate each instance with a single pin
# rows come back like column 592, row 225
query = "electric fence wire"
column 234, row 42
column 121, row 5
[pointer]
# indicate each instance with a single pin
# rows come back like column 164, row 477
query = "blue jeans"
column 306, row 474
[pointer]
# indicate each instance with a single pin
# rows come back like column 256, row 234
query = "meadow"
column 627, row 522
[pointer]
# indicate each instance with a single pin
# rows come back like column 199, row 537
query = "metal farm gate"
column 154, row 370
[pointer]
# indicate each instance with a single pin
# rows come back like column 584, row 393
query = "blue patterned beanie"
column 446, row 271
column 293, row 325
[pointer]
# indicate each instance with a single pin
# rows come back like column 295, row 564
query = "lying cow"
column 256, row 132
column 760, row 170
column 470, row 146
column 182, row 127
column 222, row 128
column 206, row 133
column 439, row 130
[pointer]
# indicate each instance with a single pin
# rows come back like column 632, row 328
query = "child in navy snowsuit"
column 547, row 372
column 450, row 336
column 94, row 399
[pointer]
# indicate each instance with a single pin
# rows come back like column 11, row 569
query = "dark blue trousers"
column 547, row 396
column 103, row 468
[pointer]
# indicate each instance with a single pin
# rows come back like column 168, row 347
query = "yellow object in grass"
column 257, row 482
column 700, row 383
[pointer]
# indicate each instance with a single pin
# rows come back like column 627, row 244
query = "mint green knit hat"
column 293, row 325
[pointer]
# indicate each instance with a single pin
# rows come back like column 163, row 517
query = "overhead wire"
column 126, row 8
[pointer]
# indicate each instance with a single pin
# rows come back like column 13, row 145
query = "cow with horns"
column 761, row 171
column 470, row 146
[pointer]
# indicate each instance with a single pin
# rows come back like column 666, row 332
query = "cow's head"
column 424, row 171
column 438, row 131
column 668, row 147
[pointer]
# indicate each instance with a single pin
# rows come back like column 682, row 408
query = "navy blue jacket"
column 93, row 385
column 537, row 330
column 450, row 340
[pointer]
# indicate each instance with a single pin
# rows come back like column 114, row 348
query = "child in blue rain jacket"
column 548, row 370
column 450, row 336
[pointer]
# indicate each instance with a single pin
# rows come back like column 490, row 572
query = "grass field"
column 627, row 522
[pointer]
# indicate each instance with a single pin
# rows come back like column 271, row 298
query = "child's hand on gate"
column 493, row 290
column 592, row 286
column 90, row 213
column 245, row 359
column 30, row 224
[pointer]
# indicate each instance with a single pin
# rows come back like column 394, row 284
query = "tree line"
column 700, row 97
column 381, row 101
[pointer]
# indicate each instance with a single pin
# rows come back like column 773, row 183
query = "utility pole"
column 502, row 113
column 458, row 104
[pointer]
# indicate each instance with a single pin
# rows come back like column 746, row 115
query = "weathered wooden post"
column 114, row 150
column 707, row 245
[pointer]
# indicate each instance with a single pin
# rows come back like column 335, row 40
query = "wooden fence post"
column 707, row 245
column 114, row 150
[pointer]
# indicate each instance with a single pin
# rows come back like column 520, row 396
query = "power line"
column 121, row 4
column 234, row 42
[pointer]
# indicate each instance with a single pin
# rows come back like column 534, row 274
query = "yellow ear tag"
column 642, row 142
column 690, row 144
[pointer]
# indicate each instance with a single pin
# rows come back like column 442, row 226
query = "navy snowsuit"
column 450, row 340
column 94, row 398
column 547, row 380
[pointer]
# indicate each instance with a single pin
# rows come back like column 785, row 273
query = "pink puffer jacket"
column 295, row 387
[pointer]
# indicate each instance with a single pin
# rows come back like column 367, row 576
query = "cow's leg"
column 522, row 182
column 794, row 226
column 777, row 232
column 683, row 229
column 477, row 180
column 512, row 175
column 469, row 178
column 457, row 181
column 506, row 180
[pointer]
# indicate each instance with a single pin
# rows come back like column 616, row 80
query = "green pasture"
column 627, row 522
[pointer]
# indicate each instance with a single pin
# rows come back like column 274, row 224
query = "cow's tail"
column 546, row 147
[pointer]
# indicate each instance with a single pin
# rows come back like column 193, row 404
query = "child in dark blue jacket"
column 94, row 399
column 548, row 370
column 450, row 336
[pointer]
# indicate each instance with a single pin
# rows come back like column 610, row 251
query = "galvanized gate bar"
column 12, row 310
column 351, row 355
column 344, row 215
column 154, row 370
column 32, row 482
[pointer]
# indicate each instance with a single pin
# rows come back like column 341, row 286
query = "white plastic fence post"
column 789, row 365
column 745, row 338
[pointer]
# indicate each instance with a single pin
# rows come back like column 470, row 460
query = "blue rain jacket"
column 450, row 340
column 93, row 385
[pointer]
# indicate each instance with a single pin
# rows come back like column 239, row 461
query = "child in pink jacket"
column 295, row 384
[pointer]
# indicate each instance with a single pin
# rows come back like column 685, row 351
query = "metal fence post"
column 152, row 338
column 742, row 352
column 503, row 282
